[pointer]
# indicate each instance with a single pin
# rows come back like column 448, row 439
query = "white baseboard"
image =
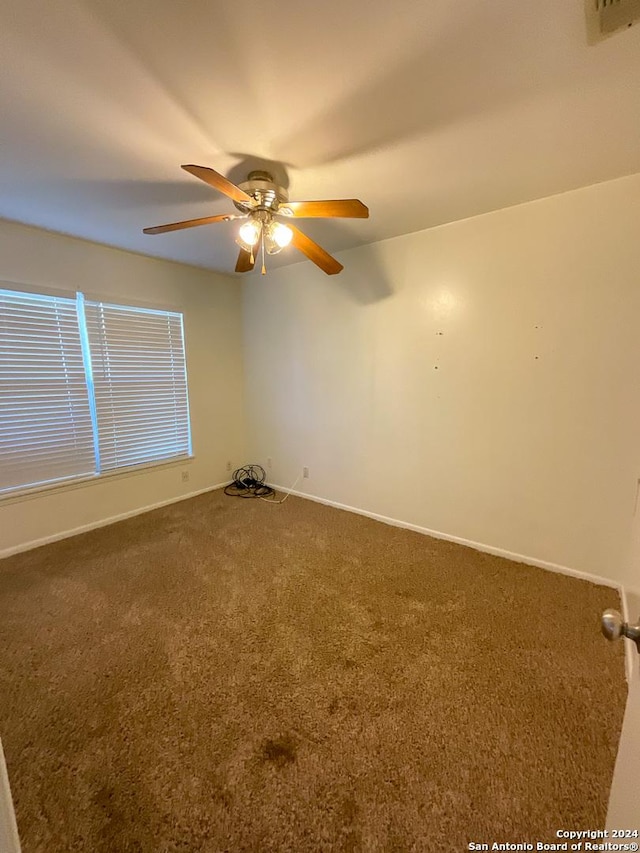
column 630, row 656
column 631, row 663
column 65, row 534
column 477, row 546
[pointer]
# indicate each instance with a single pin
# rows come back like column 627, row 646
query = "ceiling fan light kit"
column 260, row 202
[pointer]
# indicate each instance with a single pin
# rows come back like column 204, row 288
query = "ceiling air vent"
column 605, row 17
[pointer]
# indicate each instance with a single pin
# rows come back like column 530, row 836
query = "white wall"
column 212, row 317
column 624, row 802
column 538, row 456
column 481, row 379
column 9, row 841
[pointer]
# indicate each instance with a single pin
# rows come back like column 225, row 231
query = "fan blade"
column 244, row 262
column 190, row 223
column 218, row 182
column 344, row 207
column 314, row 252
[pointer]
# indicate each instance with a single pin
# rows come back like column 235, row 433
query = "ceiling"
column 428, row 112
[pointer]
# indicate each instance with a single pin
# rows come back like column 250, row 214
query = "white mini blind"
column 140, row 384
column 46, row 430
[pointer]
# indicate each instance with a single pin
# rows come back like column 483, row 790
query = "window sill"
column 82, row 482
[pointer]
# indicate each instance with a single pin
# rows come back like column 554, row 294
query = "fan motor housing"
column 261, row 187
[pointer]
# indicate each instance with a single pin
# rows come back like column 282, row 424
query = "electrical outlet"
column 185, row 476
column 269, row 462
column 305, row 473
column 228, row 466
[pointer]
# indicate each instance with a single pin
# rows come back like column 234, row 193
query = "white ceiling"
column 427, row 111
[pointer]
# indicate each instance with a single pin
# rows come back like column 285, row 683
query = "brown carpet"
column 222, row 675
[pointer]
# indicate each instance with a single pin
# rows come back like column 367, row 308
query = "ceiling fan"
column 261, row 202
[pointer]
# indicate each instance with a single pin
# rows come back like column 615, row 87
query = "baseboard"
column 631, row 655
column 65, row 534
column 477, row 546
column 631, row 662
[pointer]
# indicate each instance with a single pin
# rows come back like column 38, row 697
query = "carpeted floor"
column 222, row 675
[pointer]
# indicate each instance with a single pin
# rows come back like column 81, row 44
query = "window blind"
column 140, row 384
column 46, row 432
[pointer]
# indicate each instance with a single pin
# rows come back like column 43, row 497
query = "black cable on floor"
column 248, row 482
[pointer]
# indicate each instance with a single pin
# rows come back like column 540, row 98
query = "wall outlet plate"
column 185, row 476
column 305, row 473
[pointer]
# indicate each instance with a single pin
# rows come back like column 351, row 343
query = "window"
column 45, row 428
column 87, row 387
